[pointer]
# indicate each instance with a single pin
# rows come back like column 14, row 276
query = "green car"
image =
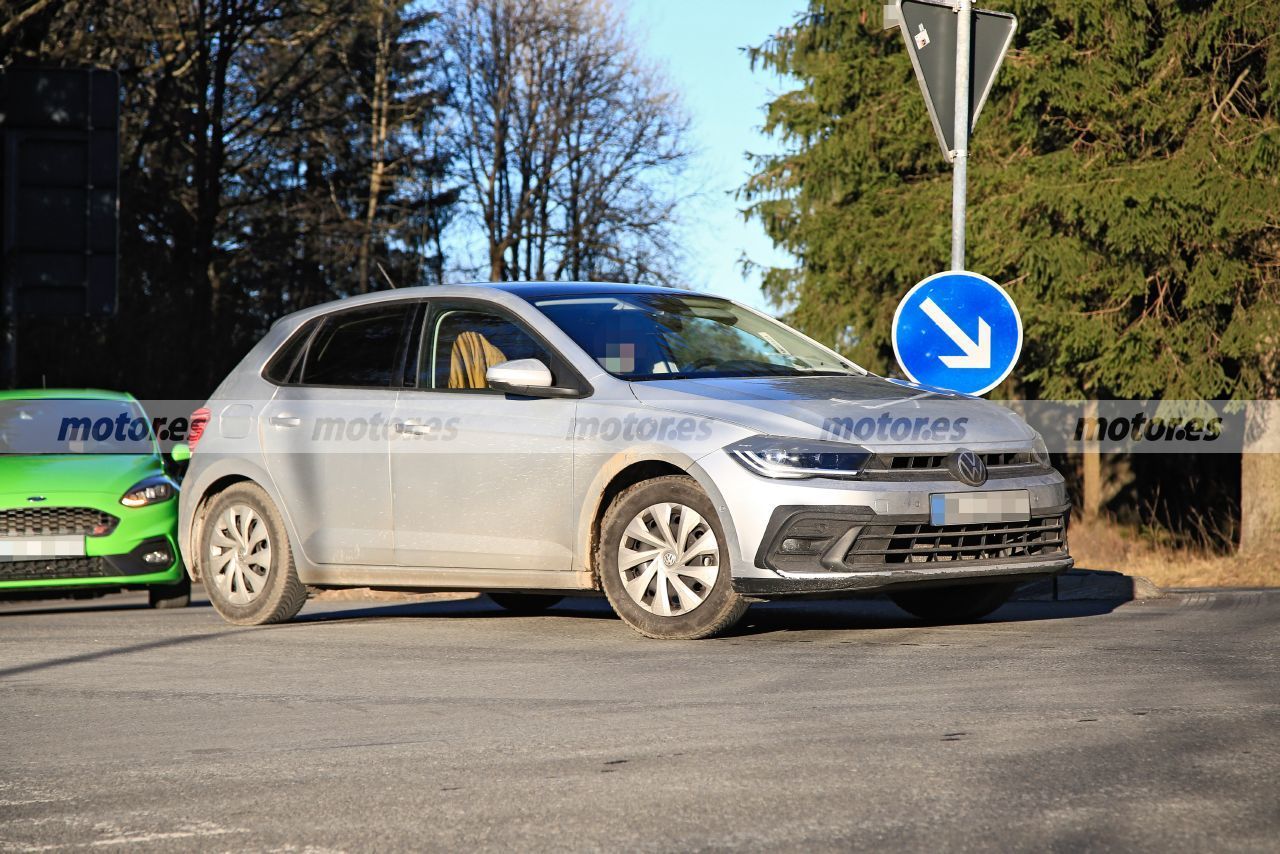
column 86, row 504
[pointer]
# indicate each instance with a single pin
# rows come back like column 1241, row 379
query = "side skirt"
column 443, row 578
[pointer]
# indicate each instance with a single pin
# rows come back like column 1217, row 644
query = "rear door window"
column 362, row 347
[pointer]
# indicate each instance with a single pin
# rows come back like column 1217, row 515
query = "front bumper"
column 854, row 537
column 878, row 581
column 115, row 560
column 853, row 550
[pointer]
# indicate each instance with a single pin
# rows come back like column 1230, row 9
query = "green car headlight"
column 776, row 457
column 153, row 490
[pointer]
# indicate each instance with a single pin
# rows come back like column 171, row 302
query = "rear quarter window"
column 283, row 368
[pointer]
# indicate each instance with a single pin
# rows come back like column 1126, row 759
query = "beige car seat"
column 472, row 355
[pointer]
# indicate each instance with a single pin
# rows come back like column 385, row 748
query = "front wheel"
column 663, row 563
column 963, row 603
column 245, row 559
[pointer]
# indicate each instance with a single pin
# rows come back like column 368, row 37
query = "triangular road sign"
column 929, row 28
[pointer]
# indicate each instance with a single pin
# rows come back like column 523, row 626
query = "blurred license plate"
column 964, row 508
column 34, row 548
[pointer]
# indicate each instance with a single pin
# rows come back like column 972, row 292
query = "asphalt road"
column 816, row 726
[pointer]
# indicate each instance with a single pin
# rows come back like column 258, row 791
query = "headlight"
column 1040, row 451
column 153, row 490
column 798, row 458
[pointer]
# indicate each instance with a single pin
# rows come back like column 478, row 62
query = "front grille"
column 1040, row 537
column 895, row 462
column 934, row 466
column 50, row 569
column 56, row 522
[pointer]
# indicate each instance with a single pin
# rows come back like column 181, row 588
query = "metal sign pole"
column 960, row 155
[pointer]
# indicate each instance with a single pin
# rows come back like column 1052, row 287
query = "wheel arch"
column 211, row 482
column 622, row 473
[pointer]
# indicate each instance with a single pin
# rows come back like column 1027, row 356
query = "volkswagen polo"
column 680, row 453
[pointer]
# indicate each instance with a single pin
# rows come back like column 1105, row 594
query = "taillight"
column 199, row 418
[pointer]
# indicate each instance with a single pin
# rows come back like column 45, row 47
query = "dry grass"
column 1102, row 544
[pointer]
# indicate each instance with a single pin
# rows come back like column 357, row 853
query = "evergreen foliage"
column 1124, row 187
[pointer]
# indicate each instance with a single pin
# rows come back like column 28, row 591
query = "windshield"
column 73, row 426
column 673, row 336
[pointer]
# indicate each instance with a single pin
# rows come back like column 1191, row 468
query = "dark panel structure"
column 59, row 190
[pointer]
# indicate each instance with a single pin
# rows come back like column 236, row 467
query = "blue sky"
column 699, row 42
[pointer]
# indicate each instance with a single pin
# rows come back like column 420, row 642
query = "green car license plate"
column 34, row 548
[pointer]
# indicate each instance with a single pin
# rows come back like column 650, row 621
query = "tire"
column 664, row 606
column 524, row 603
column 962, row 603
column 171, row 595
column 257, row 583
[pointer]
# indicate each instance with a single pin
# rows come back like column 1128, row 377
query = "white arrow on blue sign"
column 957, row 330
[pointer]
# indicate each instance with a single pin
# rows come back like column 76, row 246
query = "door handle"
column 415, row 428
column 285, row 421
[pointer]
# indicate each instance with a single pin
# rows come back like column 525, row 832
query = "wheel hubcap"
column 668, row 559
column 240, row 554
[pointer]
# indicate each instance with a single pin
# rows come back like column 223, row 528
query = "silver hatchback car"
column 678, row 452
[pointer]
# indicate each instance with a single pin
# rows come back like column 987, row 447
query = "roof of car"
column 537, row 290
column 523, row 290
column 63, row 394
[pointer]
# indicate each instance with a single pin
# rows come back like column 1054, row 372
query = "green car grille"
column 49, row 570
column 56, row 522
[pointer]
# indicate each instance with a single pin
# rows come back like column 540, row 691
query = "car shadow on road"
column 763, row 618
column 477, row 608
column 46, row 607
column 112, row 652
column 869, row 614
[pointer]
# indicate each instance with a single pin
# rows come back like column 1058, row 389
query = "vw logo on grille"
column 967, row 467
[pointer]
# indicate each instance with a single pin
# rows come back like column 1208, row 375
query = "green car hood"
column 57, row 476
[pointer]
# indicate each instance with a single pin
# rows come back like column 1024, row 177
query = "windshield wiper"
column 780, row 373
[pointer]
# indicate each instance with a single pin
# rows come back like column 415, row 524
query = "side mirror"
column 181, row 452
column 525, row 377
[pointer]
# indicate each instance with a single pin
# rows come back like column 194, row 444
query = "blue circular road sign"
column 957, row 330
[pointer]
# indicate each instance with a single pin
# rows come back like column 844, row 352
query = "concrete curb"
column 1085, row 584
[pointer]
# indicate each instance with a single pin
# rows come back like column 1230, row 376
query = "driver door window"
column 465, row 343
